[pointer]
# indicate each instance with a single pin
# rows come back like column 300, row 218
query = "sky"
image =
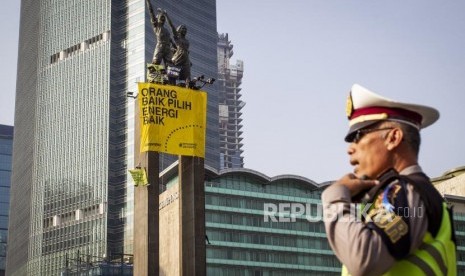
column 301, row 58
column 9, row 29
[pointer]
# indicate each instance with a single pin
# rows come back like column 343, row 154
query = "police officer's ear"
column 393, row 138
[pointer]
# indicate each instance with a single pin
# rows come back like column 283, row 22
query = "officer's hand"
column 354, row 184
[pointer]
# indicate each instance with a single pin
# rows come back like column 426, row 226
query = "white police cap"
column 365, row 108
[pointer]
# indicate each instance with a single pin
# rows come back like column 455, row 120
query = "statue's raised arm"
column 173, row 28
column 152, row 14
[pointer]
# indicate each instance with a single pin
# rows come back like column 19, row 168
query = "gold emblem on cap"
column 349, row 106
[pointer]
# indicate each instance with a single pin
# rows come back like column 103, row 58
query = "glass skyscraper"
column 6, row 149
column 75, row 126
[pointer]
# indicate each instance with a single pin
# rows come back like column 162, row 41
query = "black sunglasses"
column 361, row 132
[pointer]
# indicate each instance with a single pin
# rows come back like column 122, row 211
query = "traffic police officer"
column 403, row 225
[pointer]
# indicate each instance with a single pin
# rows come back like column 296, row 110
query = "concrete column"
column 146, row 216
column 146, row 240
column 192, row 257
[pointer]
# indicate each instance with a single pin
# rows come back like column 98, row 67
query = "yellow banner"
column 172, row 119
column 139, row 176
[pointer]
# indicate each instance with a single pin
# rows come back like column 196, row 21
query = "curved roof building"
column 261, row 225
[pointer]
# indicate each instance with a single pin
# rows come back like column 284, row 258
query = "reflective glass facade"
column 244, row 242
column 75, row 125
column 23, row 146
column 6, row 150
column 459, row 219
column 77, row 118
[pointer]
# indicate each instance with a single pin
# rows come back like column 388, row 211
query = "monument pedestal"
column 146, row 233
column 192, row 216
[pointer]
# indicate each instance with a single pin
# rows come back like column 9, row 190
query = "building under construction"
column 230, row 105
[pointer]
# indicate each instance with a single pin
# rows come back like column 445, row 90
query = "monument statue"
column 176, row 62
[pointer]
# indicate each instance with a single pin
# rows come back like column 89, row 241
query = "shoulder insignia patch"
column 383, row 215
column 391, row 224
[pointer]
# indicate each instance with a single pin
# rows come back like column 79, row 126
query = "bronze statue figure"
column 181, row 55
column 162, row 49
